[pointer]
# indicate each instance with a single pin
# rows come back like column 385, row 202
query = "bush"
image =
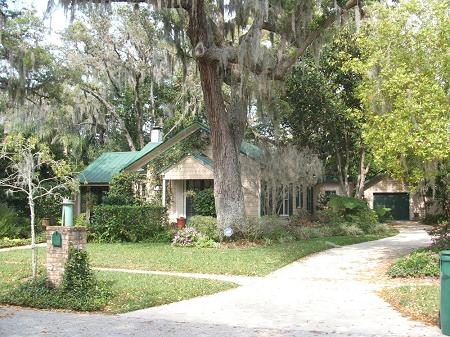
column 80, row 290
column 365, row 219
column 417, row 264
column 440, row 235
column 384, row 214
column 121, row 191
column 349, row 229
column 49, row 207
column 203, row 202
column 346, row 205
column 301, row 217
column 7, row 242
column 329, row 216
column 206, row 225
column 126, row 223
column 11, row 224
column 433, row 219
column 186, row 237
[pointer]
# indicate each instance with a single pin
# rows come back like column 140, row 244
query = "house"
column 194, row 171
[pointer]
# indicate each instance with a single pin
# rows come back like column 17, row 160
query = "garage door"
column 397, row 202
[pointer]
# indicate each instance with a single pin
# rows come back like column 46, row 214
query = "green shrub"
column 80, row 220
column 417, row 264
column 205, row 242
column 80, row 290
column 11, row 224
column 207, row 225
column 379, row 228
column 433, row 219
column 250, row 229
column 440, row 235
column 7, row 242
column 346, row 205
column 383, row 213
column 203, row 202
column 301, row 217
column 364, row 218
column 121, row 191
column 329, row 216
column 49, row 207
column 126, row 223
column 349, row 229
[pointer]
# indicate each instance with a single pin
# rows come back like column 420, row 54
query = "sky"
column 56, row 22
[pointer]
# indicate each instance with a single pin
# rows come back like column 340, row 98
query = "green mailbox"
column 445, row 291
column 56, row 239
column 67, row 213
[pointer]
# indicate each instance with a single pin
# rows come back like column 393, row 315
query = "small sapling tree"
column 27, row 160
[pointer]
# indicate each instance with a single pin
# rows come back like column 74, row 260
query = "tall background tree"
column 405, row 66
column 325, row 113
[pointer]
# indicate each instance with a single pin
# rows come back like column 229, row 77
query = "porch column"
column 164, row 192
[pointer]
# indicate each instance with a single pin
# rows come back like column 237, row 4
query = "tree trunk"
column 363, row 170
column 33, row 238
column 228, row 195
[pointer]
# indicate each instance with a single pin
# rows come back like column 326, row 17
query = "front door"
column 192, row 186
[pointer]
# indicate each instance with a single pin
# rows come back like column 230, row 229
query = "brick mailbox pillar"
column 59, row 241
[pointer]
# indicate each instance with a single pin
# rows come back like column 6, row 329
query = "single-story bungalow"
column 195, row 171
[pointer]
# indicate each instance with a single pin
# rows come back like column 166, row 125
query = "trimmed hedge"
column 126, row 223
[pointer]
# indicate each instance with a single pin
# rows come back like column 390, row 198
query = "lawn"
column 420, row 302
column 130, row 291
column 253, row 261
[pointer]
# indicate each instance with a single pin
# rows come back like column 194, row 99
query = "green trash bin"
column 445, row 292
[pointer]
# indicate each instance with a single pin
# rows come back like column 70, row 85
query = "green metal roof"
column 204, row 159
column 251, row 150
column 102, row 169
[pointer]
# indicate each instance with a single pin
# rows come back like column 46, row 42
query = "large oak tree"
column 240, row 47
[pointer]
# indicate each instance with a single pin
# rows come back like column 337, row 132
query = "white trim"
column 164, row 192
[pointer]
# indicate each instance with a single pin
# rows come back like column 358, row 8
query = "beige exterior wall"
column 191, row 168
column 331, row 186
column 250, row 176
column 188, row 168
column 416, row 204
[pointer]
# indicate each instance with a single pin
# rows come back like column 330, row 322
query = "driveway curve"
column 332, row 293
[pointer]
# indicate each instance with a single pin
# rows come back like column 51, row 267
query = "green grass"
column 253, row 261
column 138, row 291
column 417, row 301
column 129, row 291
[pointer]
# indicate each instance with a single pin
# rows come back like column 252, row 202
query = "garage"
column 397, row 202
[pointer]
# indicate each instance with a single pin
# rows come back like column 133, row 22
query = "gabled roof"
column 204, row 160
column 143, row 159
column 101, row 170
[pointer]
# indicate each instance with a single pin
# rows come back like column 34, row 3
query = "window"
column 310, row 199
column 299, row 197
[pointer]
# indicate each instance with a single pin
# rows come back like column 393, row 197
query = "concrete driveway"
column 328, row 294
